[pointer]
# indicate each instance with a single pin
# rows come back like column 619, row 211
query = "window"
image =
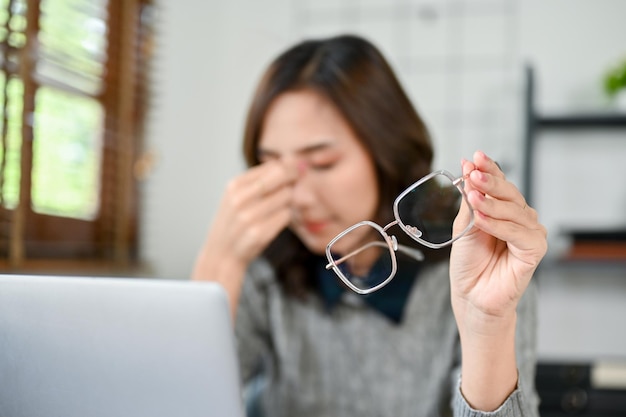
column 73, row 94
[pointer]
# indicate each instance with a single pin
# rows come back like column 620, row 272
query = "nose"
column 303, row 189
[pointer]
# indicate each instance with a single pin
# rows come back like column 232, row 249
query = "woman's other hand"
column 255, row 207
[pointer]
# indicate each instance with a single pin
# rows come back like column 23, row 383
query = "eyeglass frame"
column 391, row 240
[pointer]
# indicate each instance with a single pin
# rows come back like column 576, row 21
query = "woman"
column 332, row 139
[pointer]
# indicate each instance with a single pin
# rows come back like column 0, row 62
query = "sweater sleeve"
column 524, row 401
column 252, row 320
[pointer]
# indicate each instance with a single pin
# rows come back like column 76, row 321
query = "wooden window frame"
column 31, row 241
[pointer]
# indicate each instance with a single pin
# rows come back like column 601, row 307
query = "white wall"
column 211, row 54
column 461, row 62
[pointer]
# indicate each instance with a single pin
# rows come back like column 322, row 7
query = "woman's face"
column 337, row 185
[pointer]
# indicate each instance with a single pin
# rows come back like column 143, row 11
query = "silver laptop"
column 115, row 347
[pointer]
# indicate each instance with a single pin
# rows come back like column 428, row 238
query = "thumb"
column 463, row 217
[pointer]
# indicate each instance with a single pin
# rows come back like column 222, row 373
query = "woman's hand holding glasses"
column 490, row 268
column 494, row 262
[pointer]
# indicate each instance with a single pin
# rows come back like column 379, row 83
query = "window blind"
column 74, row 93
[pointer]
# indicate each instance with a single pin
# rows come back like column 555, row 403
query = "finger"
column 246, row 208
column 500, row 209
column 467, row 166
column 278, row 200
column 248, row 229
column 255, row 184
column 486, row 164
column 528, row 242
column 254, row 239
column 507, row 221
column 495, row 186
column 268, row 177
column 463, row 217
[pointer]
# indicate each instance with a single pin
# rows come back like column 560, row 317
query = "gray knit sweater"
column 353, row 361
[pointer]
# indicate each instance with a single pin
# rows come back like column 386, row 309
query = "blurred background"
column 122, row 123
column 464, row 65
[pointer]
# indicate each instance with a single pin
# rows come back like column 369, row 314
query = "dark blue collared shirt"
column 390, row 300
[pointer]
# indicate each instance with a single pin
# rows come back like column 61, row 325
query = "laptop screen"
column 83, row 346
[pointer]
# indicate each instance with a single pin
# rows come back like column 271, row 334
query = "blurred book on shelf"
column 597, row 245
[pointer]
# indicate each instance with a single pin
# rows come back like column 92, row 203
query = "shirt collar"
column 390, row 300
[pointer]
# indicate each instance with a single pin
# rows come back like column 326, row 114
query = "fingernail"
column 478, row 195
column 465, row 166
column 478, row 175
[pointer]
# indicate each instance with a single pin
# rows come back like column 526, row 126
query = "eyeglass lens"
column 355, row 252
column 429, row 209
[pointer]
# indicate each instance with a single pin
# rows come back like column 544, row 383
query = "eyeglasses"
column 425, row 211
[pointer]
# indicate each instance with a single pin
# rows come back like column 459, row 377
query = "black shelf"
column 594, row 256
column 577, row 121
column 608, row 268
column 536, row 122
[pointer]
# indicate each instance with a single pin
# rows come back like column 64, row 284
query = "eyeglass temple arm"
column 412, row 252
column 462, row 178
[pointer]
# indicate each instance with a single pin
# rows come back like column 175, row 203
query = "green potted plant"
column 615, row 84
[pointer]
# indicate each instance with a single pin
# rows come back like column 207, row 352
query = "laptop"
column 116, row 347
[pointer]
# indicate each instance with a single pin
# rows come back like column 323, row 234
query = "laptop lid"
column 81, row 346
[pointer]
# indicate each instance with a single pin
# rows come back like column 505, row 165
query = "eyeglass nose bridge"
column 407, row 228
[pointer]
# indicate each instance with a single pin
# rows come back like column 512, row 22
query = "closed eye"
column 322, row 166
